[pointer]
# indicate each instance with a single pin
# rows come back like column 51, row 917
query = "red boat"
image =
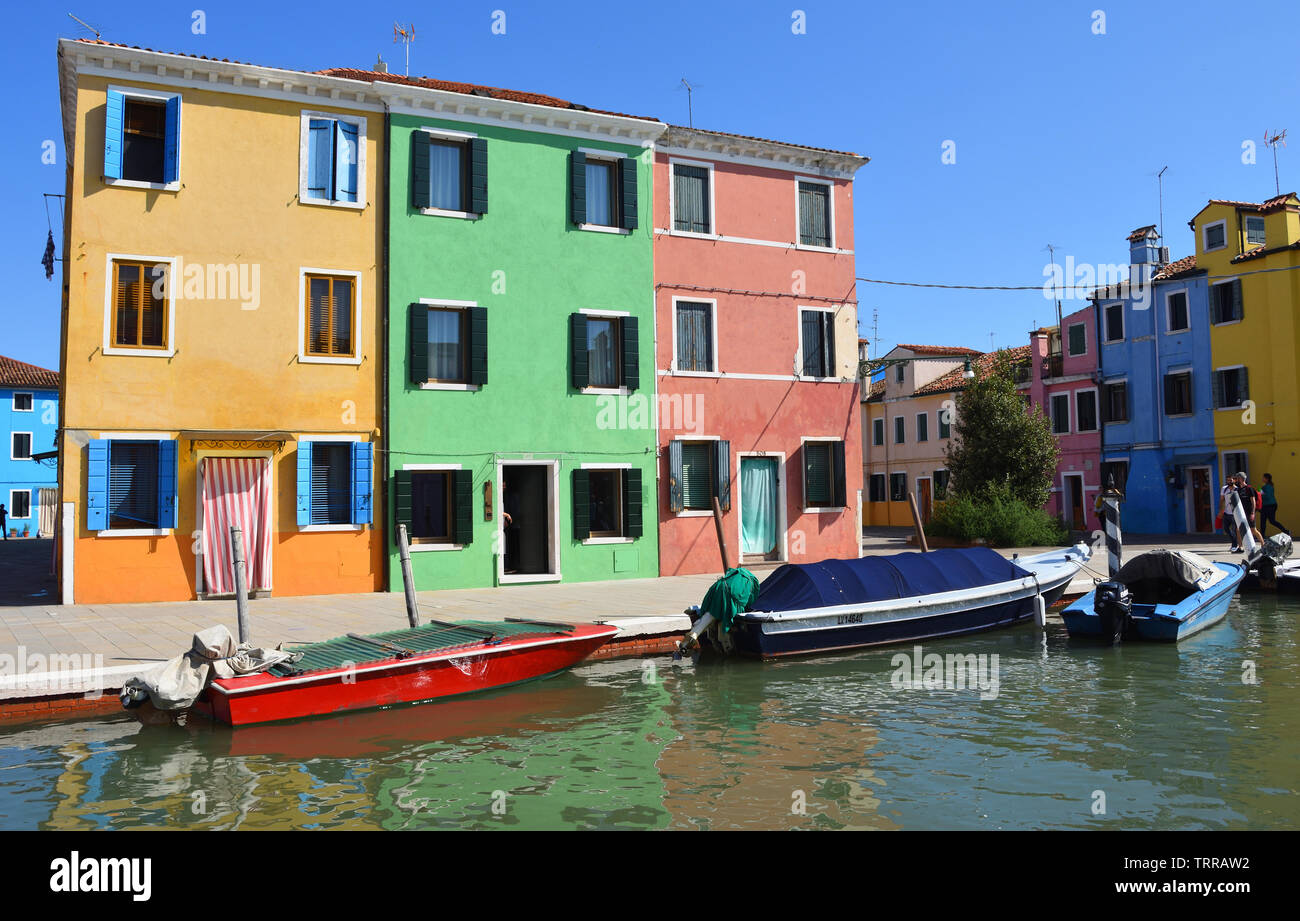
column 429, row 662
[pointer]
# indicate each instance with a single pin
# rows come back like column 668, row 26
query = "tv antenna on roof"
column 1273, row 141
column 1160, row 183
column 690, row 115
column 405, row 36
column 84, row 25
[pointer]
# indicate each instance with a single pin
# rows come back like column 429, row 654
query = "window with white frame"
column 1255, row 230
column 823, row 474
column 876, row 488
column 817, row 334
column 815, row 214
column 20, row 446
column 694, row 332
column 1113, row 319
column 1215, row 236
column 878, row 432
column 20, row 503
column 1085, row 410
column 1078, row 339
column 692, row 198
column 1060, row 414
column 22, row 402
column 922, row 426
column 1176, row 304
column 1231, row 387
column 332, row 160
column 142, row 138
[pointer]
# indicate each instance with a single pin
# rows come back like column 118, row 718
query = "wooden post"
column 241, row 583
column 1114, row 536
column 722, row 541
column 408, row 581
column 916, row 522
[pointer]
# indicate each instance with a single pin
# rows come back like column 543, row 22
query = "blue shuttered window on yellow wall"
column 333, row 155
column 151, row 127
column 334, row 482
column 131, row 484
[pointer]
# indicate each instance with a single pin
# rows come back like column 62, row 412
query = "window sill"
column 607, row 391
column 446, row 212
column 140, row 184
column 676, row 373
column 529, row 577
column 1228, row 409
column 439, row 385
column 610, row 540
column 1225, row 323
column 818, row 380
column 695, row 513
column 325, row 360
column 326, row 203
column 1175, row 332
column 693, row 235
column 810, row 248
column 604, row 228
column 134, row 532
column 430, row 548
column 146, row 353
column 822, row 511
column 323, row 528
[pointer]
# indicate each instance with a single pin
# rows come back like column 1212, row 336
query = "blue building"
column 29, row 405
column 1156, row 402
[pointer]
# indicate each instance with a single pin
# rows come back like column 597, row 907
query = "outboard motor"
column 1113, row 604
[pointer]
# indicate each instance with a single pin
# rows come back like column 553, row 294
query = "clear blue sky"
column 1059, row 132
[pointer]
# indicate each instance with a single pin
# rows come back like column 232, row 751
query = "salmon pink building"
column 756, row 350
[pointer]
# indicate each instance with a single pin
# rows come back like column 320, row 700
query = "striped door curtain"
column 236, row 493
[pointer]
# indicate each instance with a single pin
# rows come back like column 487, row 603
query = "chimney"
column 380, row 66
column 1144, row 250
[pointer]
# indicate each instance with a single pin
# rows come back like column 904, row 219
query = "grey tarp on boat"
column 176, row 684
column 1187, row 570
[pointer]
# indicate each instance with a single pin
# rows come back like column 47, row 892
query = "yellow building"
column 220, row 330
column 1251, row 253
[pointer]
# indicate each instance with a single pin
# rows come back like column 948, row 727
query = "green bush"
column 997, row 518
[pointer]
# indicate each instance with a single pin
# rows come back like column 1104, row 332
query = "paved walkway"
column 115, row 640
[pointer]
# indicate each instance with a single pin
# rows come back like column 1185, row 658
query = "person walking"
column 4, row 515
column 1225, row 511
column 1246, row 493
column 1269, row 510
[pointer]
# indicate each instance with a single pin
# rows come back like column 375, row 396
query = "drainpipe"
column 384, row 438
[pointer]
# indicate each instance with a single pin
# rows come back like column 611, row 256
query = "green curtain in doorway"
column 758, row 505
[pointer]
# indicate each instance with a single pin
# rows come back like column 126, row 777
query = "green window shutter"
column 722, row 473
column 631, row 367
column 676, row 495
column 462, row 531
column 418, row 357
column 818, row 489
column 1217, row 384
column 1236, row 300
column 578, row 350
column 632, row 526
column 1078, row 339
column 478, row 346
column 420, row 169
column 581, row 505
column 1243, row 386
column 840, row 483
column 578, row 187
column 828, row 340
column 698, row 483
column 478, row 176
column 627, row 168
column 401, row 501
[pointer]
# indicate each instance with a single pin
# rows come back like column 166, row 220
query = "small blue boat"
column 1161, row 596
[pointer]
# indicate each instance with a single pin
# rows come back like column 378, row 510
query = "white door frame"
column 1067, row 501
column 783, row 533
column 197, row 536
column 553, row 510
column 1189, row 507
column 919, row 510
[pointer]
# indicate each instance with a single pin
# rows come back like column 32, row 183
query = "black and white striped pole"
column 1114, row 537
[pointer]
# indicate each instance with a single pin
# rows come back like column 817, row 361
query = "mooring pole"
column 1114, row 537
column 408, row 581
column 916, row 523
column 241, row 582
column 722, row 541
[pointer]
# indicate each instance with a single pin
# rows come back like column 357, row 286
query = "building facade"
column 29, row 404
column 756, row 350
column 220, row 329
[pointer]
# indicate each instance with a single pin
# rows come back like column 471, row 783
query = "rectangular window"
column 1235, row 462
column 898, row 487
column 333, row 159
column 329, row 316
column 818, row 331
column 1078, row 339
column 331, row 483
column 922, row 426
column 142, row 137
column 22, row 402
column 144, row 133
column 940, row 484
column 20, row 446
column 876, row 488
column 448, row 175
column 603, row 351
column 945, row 424
column 1225, row 302
column 1255, row 231
column 602, row 193
column 1115, row 401
column 694, row 336
column 448, row 342
column 691, row 199
column 1178, row 393
column 20, row 503
column 900, row 430
column 1061, row 414
column 1114, row 322
column 900, row 372
column 1118, row 470
column 823, row 474
column 1230, row 388
column 139, row 305
column 697, row 475
column 814, row 214
column 1216, row 236
column 432, row 502
column 877, row 432
column 1085, row 406
column 605, row 490
column 133, row 484
column 1178, row 319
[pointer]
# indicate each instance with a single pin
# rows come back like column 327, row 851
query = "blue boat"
column 848, row 604
column 1161, row 596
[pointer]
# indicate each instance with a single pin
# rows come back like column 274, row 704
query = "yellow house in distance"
column 1252, row 255
column 220, row 331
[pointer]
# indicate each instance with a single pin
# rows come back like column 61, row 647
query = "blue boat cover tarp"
column 798, row 586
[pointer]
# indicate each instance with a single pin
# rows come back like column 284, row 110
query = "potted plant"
column 26, row 530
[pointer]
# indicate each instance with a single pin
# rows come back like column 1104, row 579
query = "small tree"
column 996, row 443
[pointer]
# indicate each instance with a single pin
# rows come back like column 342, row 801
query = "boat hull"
column 1161, row 623
column 266, row 698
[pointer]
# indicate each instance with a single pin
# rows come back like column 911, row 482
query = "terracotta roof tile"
column 1177, row 269
column 1259, row 252
column 953, row 380
column 940, row 350
column 877, row 391
column 14, row 373
column 1271, row 204
column 1141, row 233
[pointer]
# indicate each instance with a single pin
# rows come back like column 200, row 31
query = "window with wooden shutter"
column 817, row 329
column 814, row 214
column 20, row 503
column 1178, row 393
column 691, row 199
column 140, row 305
column 605, row 496
column 1061, row 414
column 694, row 336
column 1114, row 401
column 697, row 475
column 922, row 426
column 331, row 483
column 818, row 476
column 878, row 432
column 602, row 193
column 604, row 352
column 448, row 345
column 133, row 484
column 876, row 488
column 1085, row 410
column 1078, row 339
column 432, row 504
column 1178, row 318
column 329, row 317
column 20, row 446
column 898, row 487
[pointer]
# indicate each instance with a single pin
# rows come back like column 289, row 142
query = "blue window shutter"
column 97, row 485
column 320, row 161
column 304, row 483
column 167, row 480
column 114, row 122
column 172, row 141
column 347, row 155
column 362, row 479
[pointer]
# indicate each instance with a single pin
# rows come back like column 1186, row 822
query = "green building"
column 520, row 380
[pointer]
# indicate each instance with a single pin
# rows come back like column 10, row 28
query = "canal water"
column 1202, row 735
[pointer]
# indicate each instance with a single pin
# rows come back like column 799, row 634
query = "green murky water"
column 1165, row 737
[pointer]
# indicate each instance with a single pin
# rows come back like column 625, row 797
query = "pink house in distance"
column 1063, row 379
